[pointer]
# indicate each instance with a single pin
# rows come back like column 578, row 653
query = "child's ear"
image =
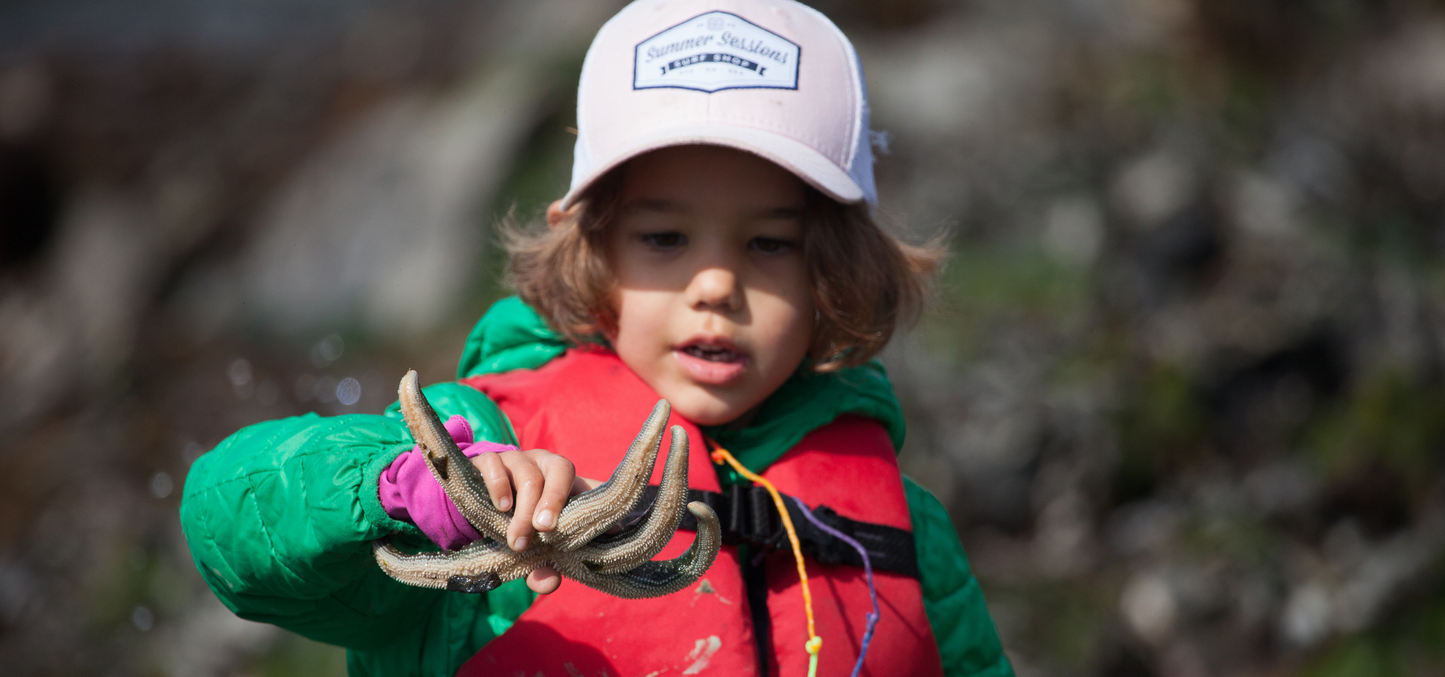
column 555, row 213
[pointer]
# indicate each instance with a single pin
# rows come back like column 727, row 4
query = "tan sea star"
column 578, row 547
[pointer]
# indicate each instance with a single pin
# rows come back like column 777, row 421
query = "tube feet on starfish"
column 620, row 565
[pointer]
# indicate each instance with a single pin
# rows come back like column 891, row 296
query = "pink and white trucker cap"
column 771, row 77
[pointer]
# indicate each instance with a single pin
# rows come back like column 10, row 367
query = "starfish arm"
column 435, row 569
column 478, row 567
column 592, row 512
column 644, row 542
column 655, row 579
column 458, row 477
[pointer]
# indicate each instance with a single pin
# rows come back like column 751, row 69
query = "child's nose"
column 715, row 288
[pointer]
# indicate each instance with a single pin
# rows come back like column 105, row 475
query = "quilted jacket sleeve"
column 280, row 518
column 952, row 599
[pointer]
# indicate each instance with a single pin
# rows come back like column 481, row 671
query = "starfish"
column 578, row 547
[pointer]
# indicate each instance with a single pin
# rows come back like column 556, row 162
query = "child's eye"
column 664, row 241
column 769, row 245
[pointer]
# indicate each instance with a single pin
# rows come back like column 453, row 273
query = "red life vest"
column 588, row 406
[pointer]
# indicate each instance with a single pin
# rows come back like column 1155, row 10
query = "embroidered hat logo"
column 716, row 51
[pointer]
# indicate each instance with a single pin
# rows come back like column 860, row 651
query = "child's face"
column 713, row 301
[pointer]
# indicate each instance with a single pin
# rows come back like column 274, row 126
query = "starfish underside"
column 578, row 547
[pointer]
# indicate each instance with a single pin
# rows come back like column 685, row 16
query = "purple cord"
column 872, row 617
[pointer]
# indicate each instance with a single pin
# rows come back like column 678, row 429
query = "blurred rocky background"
column 1182, row 388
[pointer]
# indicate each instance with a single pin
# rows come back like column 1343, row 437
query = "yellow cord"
column 815, row 643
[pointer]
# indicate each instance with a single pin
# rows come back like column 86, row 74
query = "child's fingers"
column 560, row 474
column 527, row 481
column 494, row 473
column 544, row 580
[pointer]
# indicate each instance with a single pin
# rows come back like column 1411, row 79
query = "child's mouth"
column 713, row 353
column 711, row 363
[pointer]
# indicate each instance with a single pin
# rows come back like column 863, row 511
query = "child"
column 716, row 249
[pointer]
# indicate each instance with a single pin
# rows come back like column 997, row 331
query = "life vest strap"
column 749, row 517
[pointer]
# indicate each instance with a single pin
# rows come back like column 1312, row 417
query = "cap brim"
column 804, row 162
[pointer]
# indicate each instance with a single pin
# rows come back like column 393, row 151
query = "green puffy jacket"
column 280, row 517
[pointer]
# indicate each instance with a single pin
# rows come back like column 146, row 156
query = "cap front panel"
column 776, row 68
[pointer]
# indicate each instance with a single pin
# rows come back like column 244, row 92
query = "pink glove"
column 410, row 493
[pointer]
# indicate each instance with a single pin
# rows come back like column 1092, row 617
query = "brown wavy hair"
column 865, row 282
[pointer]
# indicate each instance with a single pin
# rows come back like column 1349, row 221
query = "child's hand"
column 541, row 482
